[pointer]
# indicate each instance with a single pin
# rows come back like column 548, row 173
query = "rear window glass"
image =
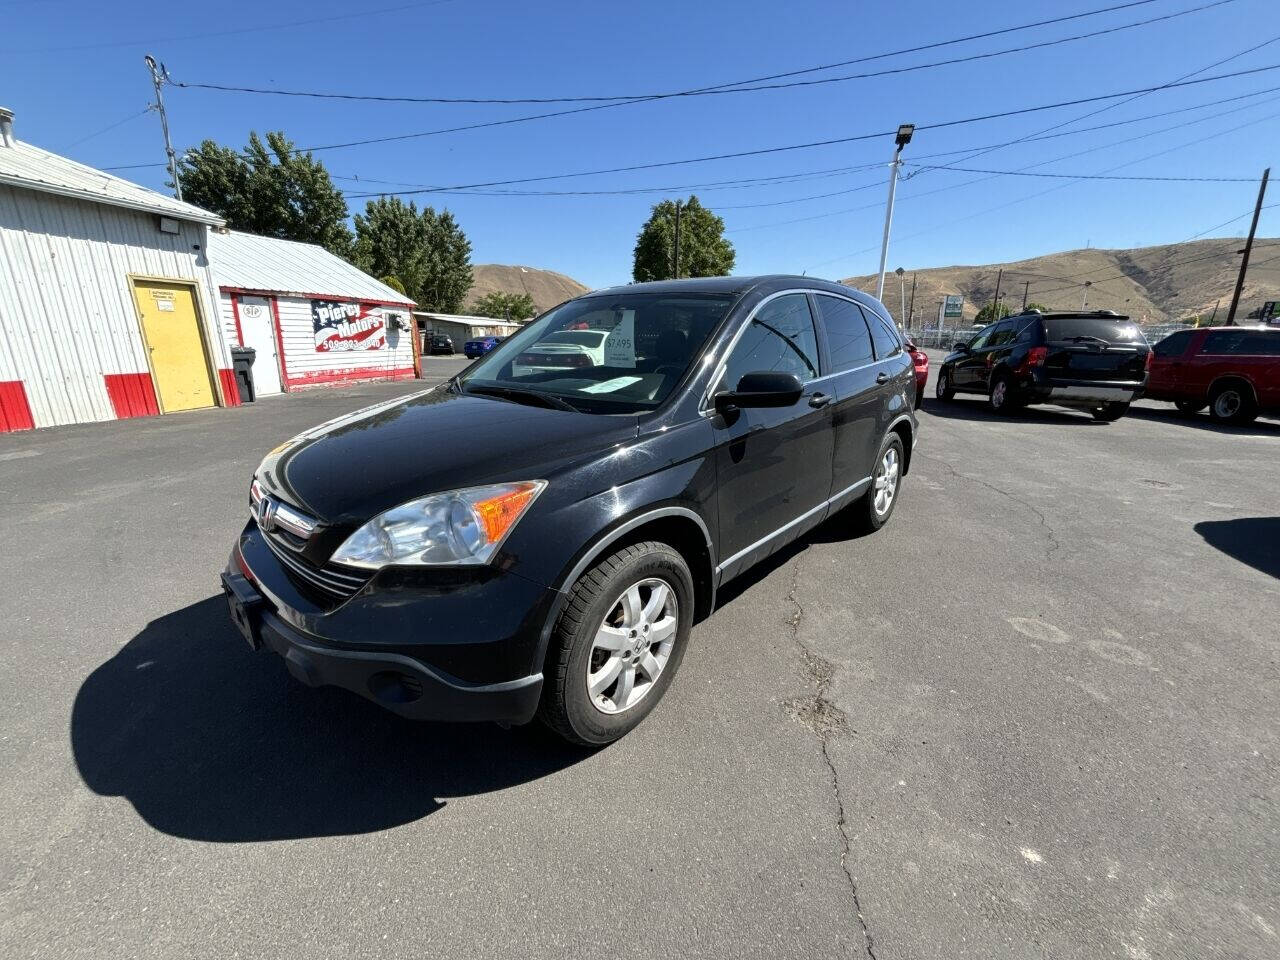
column 1117, row 330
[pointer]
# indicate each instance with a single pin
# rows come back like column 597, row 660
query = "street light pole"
column 904, row 137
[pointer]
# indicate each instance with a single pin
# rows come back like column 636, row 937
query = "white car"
column 564, row 350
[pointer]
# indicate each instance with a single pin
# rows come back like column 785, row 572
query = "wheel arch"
column 678, row 526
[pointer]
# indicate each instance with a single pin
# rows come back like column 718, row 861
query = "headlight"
column 458, row 527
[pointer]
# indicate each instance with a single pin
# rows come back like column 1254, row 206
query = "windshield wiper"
column 516, row 395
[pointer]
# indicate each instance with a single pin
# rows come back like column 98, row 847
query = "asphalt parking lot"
column 1036, row 716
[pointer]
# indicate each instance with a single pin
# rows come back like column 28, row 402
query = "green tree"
column 704, row 252
column 427, row 252
column 268, row 189
column 504, row 306
column 991, row 313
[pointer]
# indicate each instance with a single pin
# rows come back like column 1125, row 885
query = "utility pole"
column 904, row 137
column 159, row 77
column 1026, row 286
column 1084, row 299
column 1248, row 248
column 677, row 268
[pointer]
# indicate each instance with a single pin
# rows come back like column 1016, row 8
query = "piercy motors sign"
column 343, row 326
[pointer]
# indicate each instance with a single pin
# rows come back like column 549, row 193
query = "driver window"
column 779, row 338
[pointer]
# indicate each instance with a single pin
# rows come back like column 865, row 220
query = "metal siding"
column 305, row 365
column 67, row 316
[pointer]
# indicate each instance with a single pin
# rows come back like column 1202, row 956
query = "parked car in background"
column 1093, row 361
column 1234, row 371
column 920, row 361
column 562, row 350
column 517, row 544
column 480, row 346
column 441, row 344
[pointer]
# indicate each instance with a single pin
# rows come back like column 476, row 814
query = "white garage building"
column 312, row 317
column 107, row 302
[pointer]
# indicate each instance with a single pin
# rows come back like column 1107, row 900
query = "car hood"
column 353, row 468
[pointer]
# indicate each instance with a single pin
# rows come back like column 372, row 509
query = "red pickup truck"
column 1234, row 371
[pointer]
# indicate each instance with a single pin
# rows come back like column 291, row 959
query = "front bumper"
column 404, row 649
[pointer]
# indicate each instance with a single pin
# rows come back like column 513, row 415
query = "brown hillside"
column 547, row 287
column 1151, row 284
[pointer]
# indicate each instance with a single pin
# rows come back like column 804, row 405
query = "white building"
column 312, row 317
column 107, row 304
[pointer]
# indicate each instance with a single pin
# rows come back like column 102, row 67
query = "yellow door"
column 172, row 332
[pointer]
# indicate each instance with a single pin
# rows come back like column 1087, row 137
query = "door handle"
column 882, row 377
column 819, row 400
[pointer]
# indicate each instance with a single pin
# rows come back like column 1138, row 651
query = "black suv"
column 522, row 541
column 1094, row 361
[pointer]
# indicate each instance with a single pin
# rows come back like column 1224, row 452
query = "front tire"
column 873, row 509
column 617, row 644
column 1110, row 412
column 942, row 388
column 1232, row 403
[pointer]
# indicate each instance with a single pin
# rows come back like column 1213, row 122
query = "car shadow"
column 1202, row 421
column 963, row 408
column 211, row 741
column 1254, row 541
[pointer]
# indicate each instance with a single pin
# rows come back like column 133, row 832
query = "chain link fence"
column 943, row 338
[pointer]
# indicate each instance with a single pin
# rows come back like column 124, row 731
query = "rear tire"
column 1232, row 402
column 942, row 388
column 873, row 509
column 1190, row 406
column 601, row 630
column 1110, row 412
column 1003, row 397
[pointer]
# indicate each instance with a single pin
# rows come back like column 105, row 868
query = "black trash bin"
column 242, row 365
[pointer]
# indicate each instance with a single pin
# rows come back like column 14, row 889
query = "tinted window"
column 1003, row 333
column 885, row 338
column 983, row 336
column 847, row 334
column 1242, row 343
column 1110, row 329
column 781, row 338
column 1174, row 345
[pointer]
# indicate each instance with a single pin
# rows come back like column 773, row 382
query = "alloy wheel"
column 632, row 645
column 886, row 481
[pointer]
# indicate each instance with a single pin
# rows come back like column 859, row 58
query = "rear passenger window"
column 780, row 338
column 886, row 339
column 847, row 333
column 1174, row 345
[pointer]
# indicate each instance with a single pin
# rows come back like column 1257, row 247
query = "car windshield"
column 620, row 354
column 1110, row 329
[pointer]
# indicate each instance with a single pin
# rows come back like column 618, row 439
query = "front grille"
column 331, row 581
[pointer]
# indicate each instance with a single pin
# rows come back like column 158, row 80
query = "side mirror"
column 763, row 388
column 961, row 345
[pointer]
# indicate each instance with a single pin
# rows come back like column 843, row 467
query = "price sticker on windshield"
column 620, row 347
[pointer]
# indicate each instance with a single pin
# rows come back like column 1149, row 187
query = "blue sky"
column 74, row 68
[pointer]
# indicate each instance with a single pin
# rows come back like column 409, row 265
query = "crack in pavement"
column 826, row 720
column 1053, row 546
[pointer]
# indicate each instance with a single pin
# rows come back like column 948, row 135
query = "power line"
column 237, row 31
column 804, row 146
column 744, row 86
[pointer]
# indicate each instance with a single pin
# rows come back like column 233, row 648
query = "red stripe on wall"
column 230, row 389
column 131, row 395
column 15, row 412
column 342, row 376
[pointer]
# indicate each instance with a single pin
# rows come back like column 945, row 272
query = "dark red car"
column 920, row 362
column 1234, row 371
